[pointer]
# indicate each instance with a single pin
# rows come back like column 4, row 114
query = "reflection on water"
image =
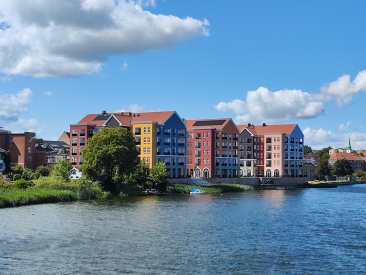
column 308, row 231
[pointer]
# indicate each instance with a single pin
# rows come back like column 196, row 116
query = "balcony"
column 167, row 153
column 137, row 133
column 82, row 134
column 197, row 155
column 242, row 149
column 158, row 132
column 180, row 154
column 158, row 143
column 235, row 138
column 166, row 143
column 158, row 153
column 167, row 133
column 180, row 144
column 249, row 149
column 180, row 163
column 223, row 137
column 235, row 147
column 224, row 146
column 74, row 134
column 224, row 164
column 167, row 163
column 181, row 134
column 224, row 156
column 82, row 144
column 241, row 164
column 292, row 158
column 235, row 156
column 138, row 142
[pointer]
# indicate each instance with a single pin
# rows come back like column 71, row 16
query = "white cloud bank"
column 320, row 138
column 12, row 106
column 44, row 38
column 263, row 105
column 133, row 108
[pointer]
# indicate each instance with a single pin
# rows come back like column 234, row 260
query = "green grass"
column 17, row 197
column 218, row 188
column 47, row 190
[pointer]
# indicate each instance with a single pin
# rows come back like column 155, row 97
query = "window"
column 11, row 139
column 204, row 152
column 148, row 140
column 148, row 129
column 148, row 150
column 278, row 147
column 208, row 144
column 204, row 134
column 274, row 139
column 144, row 150
column 144, row 130
column 29, row 149
column 208, row 153
column 148, row 159
column 144, row 139
column 204, row 144
column 29, row 158
column 208, row 134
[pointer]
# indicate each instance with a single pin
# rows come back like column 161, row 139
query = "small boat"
column 197, row 191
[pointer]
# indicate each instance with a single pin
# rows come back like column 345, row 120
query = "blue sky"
column 255, row 61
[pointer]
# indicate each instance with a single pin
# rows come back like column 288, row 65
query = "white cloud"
column 124, row 66
column 13, row 105
column 344, row 126
column 47, row 93
column 343, row 89
column 71, row 37
column 320, row 138
column 271, row 106
column 134, row 108
column 25, row 125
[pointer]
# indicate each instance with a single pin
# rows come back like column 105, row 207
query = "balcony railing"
column 167, row 133
column 158, row 153
column 180, row 154
column 224, row 156
column 82, row 143
column 137, row 133
column 235, row 156
column 158, row 143
column 223, row 137
column 235, row 138
column 82, row 134
column 224, row 164
column 235, row 147
column 241, row 164
column 180, row 163
column 74, row 134
column 166, row 143
column 181, row 134
column 167, row 153
column 167, row 163
column 224, row 146
column 180, row 144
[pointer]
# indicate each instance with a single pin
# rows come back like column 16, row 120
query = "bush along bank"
column 219, row 188
column 47, row 190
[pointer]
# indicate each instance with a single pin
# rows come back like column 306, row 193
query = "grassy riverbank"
column 219, row 188
column 47, row 190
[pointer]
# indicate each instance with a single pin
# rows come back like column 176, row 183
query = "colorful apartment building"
column 271, row 150
column 212, row 148
column 160, row 137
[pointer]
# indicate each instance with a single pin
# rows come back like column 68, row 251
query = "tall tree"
column 342, row 168
column 307, row 150
column 60, row 171
column 322, row 167
column 110, row 157
column 159, row 176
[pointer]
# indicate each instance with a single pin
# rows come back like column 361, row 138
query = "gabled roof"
column 127, row 118
column 57, row 144
column 261, row 130
column 159, row 117
column 362, row 153
column 347, row 156
column 216, row 124
column 276, row 128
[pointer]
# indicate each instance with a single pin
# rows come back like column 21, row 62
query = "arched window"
column 206, row 173
column 268, row 173
column 276, row 173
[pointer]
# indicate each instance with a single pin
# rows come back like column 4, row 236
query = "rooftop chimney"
column 264, row 124
column 104, row 112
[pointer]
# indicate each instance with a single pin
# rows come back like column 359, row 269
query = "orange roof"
column 159, row 117
column 347, row 156
column 261, row 130
column 127, row 118
column 190, row 123
column 362, row 153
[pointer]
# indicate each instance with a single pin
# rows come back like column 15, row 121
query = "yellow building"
column 145, row 135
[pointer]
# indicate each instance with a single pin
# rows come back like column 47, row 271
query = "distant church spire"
column 349, row 148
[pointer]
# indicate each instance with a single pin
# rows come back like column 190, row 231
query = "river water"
column 307, row 231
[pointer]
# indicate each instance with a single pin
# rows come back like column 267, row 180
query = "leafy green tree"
column 322, row 167
column 110, row 157
column 308, row 150
column 60, row 171
column 159, row 176
column 358, row 173
column 342, row 168
column 141, row 174
column 43, row 171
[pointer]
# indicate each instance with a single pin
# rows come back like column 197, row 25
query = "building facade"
column 160, row 137
column 212, row 148
column 356, row 161
column 271, row 150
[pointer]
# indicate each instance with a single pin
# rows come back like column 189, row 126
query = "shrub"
column 21, row 184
